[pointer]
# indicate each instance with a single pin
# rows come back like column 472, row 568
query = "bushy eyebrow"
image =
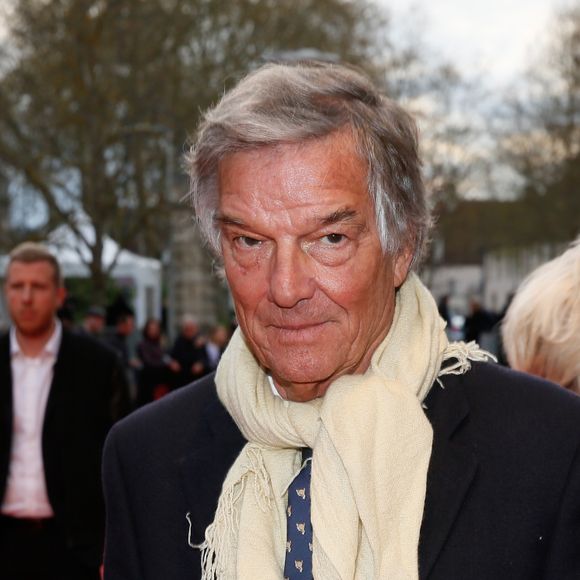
column 340, row 215
column 225, row 220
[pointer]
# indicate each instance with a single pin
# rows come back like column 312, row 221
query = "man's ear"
column 60, row 296
column 401, row 266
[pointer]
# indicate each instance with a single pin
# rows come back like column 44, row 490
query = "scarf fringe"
column 462, row 353
column 222, row 533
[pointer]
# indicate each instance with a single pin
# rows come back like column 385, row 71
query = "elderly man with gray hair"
column 342, row 436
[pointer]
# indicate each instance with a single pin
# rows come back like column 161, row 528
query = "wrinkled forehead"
column 339, row 150
column 320, row 183
column 345, row 139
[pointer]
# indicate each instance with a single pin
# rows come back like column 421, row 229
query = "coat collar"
column 451, row 470
column 204, row 470
column 5, row 408
column 62, row 380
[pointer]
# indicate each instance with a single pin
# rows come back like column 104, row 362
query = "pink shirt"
column 26, row 495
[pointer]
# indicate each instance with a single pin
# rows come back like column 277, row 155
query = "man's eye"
column 247, row 242
column 333, row 239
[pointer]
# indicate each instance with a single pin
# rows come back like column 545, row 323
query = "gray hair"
column 542, row 324
column 188, row 319
column 291, row 103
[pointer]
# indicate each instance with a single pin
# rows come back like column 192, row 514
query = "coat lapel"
column 451, row 472
column 5, row 409
column 55, row 429
column 204, row 470
column 60, row 380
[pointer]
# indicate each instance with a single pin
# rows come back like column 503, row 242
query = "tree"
column 543, row 142
column 97, row 97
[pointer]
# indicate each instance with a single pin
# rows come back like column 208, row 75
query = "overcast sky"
column 493, row 36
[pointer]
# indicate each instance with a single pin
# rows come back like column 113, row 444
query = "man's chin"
column 302, row 392
column 301, row 384
column 32, row 329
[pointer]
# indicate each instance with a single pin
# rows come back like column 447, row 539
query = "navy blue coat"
column 503, row 490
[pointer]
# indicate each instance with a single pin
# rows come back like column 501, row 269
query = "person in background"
column 478, row 322
column 541, row 329
column 120, row 342
column 94, row 322
column 189, row 352
column 215, row 345
column 59, row 395
column 156, row 367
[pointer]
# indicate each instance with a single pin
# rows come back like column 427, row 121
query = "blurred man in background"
column 189, row 352
column 94, row 322
column 59, row 395
column 215, row 346
column 121, row 342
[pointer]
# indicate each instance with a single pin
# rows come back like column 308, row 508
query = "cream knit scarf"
column 371, row 447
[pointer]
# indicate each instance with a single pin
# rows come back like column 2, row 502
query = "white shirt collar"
column 273, row 386
column 50, row 348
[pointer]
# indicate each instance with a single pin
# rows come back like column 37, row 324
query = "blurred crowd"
column 154, row 366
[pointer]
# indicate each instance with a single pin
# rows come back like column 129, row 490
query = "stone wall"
column 193, row 287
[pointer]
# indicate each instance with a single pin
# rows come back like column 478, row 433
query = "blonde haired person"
column 541, row 330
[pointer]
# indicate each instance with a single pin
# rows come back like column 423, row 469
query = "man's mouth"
column 297, row 326
column 299, row 332
column 26, row 314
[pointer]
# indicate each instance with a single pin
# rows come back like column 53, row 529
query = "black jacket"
column 88, row 393
column 187, row 351
column 503, row 490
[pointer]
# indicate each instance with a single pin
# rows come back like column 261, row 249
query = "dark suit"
column 503, row 497
column 187, row 352
column 88, row 392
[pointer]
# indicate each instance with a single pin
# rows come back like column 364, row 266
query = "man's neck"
column 32, row 345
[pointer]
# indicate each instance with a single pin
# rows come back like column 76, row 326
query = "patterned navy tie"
column 298, row 564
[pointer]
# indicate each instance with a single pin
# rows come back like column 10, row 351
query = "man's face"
column 33, row 297
column 189, row 330
column 126, row 326
column 95, row 324
column 313, row 290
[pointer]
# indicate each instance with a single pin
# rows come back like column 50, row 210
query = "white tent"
column 142, row 276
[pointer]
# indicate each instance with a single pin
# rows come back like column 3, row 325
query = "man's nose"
column 27, row 294
column 292, row 276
